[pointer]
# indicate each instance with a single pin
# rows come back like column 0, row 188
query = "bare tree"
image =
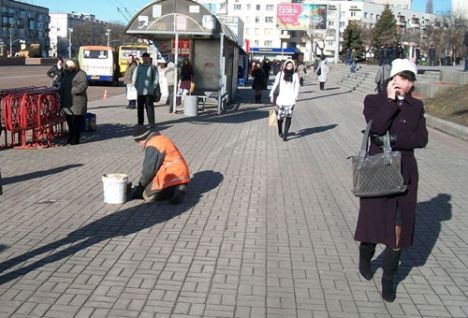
column 448, row 34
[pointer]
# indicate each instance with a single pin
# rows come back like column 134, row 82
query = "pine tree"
column 385, row 29
column 352, row 39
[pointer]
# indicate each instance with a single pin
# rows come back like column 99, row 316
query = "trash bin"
column 190, row 105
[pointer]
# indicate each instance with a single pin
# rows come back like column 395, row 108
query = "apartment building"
column 61, row 30
column 23, row 24
column 460, row 7
column 262, row 34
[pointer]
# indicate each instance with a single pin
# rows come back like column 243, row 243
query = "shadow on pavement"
column 313, row 130
column 323, row 96
column 429, row 217
column 124, row 222
column 38, row 174
column 107, row 131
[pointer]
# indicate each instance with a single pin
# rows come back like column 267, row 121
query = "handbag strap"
column 387, row 149
column 363, row 151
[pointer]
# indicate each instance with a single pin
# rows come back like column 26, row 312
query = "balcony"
column 414, row 23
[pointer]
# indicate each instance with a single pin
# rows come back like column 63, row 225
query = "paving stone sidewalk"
column 265, row 231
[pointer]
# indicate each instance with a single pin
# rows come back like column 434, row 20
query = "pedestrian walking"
column 390, row 220
column 287, row 83
column 258, row 83
column 186, row 79
column 165, row 173
column 74, row 99
column 131, row 91
column 56, row 73
column 432, row 55
column 353, row 61
column 169, row 74
column 348, row 57
column 146, row 80
column 322, row 73
column 301, row 72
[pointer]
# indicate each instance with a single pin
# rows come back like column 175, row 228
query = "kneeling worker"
column 165, row 173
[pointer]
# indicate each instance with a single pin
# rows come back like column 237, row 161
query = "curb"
column 447, row 127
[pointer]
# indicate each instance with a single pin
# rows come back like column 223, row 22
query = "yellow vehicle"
column 99, row 63
column 126, row 50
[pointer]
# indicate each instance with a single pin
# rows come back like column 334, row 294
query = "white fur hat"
column 69, row 64
column 400, row 65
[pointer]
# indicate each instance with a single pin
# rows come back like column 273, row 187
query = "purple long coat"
column 405, row 119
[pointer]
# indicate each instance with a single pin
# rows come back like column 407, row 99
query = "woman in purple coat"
column 390, row 220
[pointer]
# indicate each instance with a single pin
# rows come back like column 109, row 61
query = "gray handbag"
column 377, row 175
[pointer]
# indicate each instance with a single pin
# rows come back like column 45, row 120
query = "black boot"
column 280, row 128
column 390, row 267
column 286, row 128
column 366, row 252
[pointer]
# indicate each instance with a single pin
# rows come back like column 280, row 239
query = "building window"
column 257, row 19
column 268, row 19
column 365, row 14
column 237, row 7
column 353, row 13
column 257, row 42
column 248, row 6
column 268, row 43
column 331, row 23
column 270, row 7
column 259, row 32
column 259, row 7
column 342, row 24
column 330, row 43
column 372, row 16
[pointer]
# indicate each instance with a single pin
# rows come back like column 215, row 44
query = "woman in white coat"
column 288, row 83
column 322, row 73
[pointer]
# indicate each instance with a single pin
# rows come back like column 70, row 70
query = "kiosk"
column 210, row 45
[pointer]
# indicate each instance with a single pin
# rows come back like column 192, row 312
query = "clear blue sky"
column 107, row 10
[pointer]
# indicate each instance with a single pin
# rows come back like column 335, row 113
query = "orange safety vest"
column 174, row 169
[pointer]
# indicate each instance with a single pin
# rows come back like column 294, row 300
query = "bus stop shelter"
column 213, row 46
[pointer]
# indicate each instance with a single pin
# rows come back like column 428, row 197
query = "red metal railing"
column 30, row 117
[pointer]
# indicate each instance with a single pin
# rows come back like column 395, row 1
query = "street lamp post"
column 70, row 31
column 11, row 38
column 108, row 33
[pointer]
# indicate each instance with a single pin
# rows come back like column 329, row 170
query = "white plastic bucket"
column 115, row 188
column 190, row 105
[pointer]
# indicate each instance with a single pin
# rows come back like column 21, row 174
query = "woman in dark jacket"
column 258, row 83
column 56, row 73
column 74, row 99
column 390, row 220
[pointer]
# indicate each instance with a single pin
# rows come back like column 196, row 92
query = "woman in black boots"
column 390, row 220
column 285, row 90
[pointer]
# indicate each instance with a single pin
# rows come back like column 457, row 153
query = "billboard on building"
column 301, row 16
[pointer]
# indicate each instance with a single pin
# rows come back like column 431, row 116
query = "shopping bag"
column 131, row 92
column 192, row 87
column 272, row 118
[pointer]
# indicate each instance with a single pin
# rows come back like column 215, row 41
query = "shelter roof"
column 164, row 18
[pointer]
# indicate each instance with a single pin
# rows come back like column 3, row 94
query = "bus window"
column 126, row 50
column 99, row 63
